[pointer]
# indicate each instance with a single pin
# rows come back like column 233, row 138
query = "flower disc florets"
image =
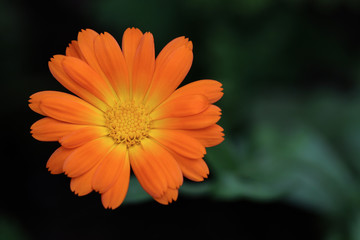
column 128, row 123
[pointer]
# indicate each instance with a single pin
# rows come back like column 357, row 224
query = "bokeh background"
column 289, row 167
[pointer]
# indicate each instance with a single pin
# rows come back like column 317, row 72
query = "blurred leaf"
column 342, row 125
column 251, row 7
column 136, row 194
column 10, row 229
column 196, row 189
column 287, row 148
column 355, row 226
column 223, row 158
column 283, row 157
column 334, row 234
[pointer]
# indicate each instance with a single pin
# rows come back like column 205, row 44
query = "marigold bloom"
column 128, row 113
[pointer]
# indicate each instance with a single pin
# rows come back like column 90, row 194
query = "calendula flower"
column 127, row 114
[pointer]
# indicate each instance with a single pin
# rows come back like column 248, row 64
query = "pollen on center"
column 128, row 123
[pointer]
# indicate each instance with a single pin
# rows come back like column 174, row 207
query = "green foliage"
column 10, row 229
column 136, row 193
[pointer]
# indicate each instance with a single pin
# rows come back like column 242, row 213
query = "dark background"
column 289, row 167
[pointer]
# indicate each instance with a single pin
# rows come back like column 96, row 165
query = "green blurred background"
column 289, row 167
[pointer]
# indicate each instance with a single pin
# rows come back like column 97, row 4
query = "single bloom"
column 128, row 114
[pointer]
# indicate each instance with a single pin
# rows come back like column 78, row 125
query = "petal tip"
column 133, row 30
column 189, row 45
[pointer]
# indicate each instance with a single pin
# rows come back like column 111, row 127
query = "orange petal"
column 210, row 136
column 82, row 136
column 112, row 62
column 109, row 169
column 69, row 108
column 181, row 106
column 49, row 129
column 210, row 88
column 87, row 156
column 130, row 43
column 147, row 171
column 169, row 75
column 57, row 70
column 202, row 120
column 81, row 185
column 116, row 194
column 56, row 161
column 35, row 99
column 193, row 169
column 165, row 161
column 143, row 68
column 169, row 196
column 170, row 48
column 87, row 78
column 86, row 41
column 179, row 142
column 73, row 50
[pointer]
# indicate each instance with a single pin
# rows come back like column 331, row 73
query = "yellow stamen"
column 128, row 123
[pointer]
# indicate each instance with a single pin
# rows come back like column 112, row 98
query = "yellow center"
column 128, row 123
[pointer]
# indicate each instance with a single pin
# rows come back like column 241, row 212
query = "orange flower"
column 127, row 113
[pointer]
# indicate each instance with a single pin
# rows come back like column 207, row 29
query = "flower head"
column 127, row 114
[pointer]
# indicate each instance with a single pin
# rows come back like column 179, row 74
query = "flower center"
column 128, row 123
